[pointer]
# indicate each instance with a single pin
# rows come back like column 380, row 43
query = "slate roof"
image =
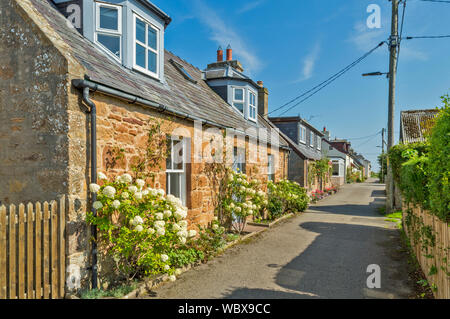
column 176, row 92
column 414, row 124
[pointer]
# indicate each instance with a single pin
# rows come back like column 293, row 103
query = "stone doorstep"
column 161, row 279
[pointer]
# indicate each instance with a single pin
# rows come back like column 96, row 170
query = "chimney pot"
column 229, row 53
column 260, row 83
column 219, row 54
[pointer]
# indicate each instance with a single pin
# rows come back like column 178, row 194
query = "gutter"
column 82, row 84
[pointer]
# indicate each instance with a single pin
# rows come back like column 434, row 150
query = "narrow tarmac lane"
column 322, row 253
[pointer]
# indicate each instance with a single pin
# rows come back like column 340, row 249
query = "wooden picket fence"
column 32, row 250
column 440, row 252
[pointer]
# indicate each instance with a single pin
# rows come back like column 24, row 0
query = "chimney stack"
column 229, row 53
column 263, row 100
column 326, row 133
column 219, row 54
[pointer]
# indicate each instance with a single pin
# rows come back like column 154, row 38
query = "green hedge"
column 421, row 170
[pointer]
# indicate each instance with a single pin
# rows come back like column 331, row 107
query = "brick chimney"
column 229, row 53
column 219, row 54
column 229, row 60
column 263, row 99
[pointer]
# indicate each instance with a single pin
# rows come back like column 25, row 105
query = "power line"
column 325, row 83
column 442, row 1
column 428, row 37
column 401, row 33
column 363, row 137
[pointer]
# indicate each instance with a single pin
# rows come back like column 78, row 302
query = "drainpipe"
column 92, row 111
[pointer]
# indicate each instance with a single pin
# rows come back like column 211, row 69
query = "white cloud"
column 250, row 6
column 309, row 63
column 223, row 34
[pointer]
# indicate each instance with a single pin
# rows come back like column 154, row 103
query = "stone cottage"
column 306, row 143
column 83, row 80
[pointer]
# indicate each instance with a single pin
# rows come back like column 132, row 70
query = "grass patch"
column 116, row 292
column 395, row 217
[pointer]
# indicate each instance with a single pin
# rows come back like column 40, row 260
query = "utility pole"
column 382, row 156
column 393, row 46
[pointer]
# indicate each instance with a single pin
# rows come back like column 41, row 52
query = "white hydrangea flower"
column 116, row 204
column 172, row 278
column 182, row 240
column 166, row 267
column 232, row 205
column 250, row 212
column 183, row 223
column 164, row 258
column 118, row 179
column 192, row 233
column 97, row 205
column 160, row 231
column 101, row 176
column 140, row 183
column 109, row 191
column 167, row 213
column 133, row 189
column 254, row 207
column 176, row 227
column 215, row 226
column 160, row 224
column 126, row 178
column 138, row 228
column 160, row 192
column 159, row 216
column 182, row 233
column 94, row 188
column 238, row 209
column 180, row 214
column 178, row 271
column 138, row 195
column 145, row 192
column 151, row 231
column 138, row 220
column 153, row 192
column 125, row 195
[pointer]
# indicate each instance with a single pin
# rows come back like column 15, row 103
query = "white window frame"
column 302, row 134
column 250, row 106
column 311, row 139
column 99, row 30
column 319, row 142
column 181, row 172
column 147, row 47
column 239, row 101
column 271, row 167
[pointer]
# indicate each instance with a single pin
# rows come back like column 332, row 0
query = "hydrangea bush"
column 285, row 197
column 139, row 227
column 241, row 198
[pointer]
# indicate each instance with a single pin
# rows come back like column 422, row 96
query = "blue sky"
column 294, row 45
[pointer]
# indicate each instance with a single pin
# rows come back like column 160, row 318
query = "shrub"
column 285, row 197
column 241, row 198
column 413, row 177
column 139, row 227
column 439, row 164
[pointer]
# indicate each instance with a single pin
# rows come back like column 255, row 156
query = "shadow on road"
column 370, row 210
column 334, row 265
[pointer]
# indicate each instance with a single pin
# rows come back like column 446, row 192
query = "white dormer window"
column 108, row 28
column 145, row 47
column 311, row 139
column 319, row 142
column 238, row 99
column 252, row 106
column 302, row 133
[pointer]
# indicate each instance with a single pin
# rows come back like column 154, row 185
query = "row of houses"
column 82, row 80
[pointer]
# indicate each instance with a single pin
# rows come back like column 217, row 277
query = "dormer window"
column 108, row 28
column 252, row 106
column 238, row 99
column 145, row 46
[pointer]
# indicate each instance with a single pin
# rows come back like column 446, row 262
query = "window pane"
column 177, row 151
column 151, row 61
column 111, row 42
column 240, row 107
column 174, row 184
column 140, row 30
column 239, row 94
column 151, row 38
column 109, row 18
column 140, row 55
